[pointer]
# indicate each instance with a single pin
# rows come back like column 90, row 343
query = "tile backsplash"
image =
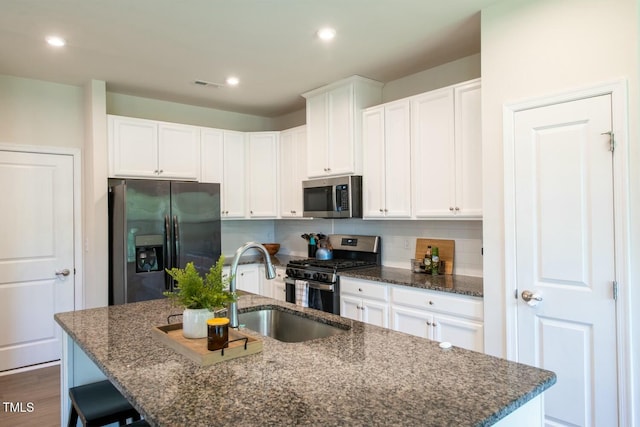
column 398, row 237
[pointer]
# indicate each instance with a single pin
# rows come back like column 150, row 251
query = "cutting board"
column 446, row 250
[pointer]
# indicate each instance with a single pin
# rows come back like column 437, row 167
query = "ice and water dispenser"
column 149, row 255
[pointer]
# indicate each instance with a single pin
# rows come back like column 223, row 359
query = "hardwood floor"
column 35, row 397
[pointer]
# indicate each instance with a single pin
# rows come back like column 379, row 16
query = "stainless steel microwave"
column 339, row 197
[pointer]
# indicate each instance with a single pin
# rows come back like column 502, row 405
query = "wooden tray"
column 446, row 250
column 196, row 348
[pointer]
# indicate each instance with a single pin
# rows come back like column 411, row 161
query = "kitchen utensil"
column 324, row 254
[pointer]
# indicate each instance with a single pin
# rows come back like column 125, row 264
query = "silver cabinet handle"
column 65, row 272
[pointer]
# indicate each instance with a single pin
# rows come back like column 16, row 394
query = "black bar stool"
column 99, row 404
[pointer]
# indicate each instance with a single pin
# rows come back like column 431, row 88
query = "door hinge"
column 612, row 140
column 615, row 290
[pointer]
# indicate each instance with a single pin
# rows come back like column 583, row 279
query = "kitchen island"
column 365, row 376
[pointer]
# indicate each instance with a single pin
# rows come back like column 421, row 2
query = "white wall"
column 34, row 112
column 95, row 198
column 534, row 48
column 153, row 109
column 467, row 68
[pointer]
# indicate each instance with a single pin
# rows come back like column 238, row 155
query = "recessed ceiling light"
column 326, row 33
column 56, row 41
column 232, row 81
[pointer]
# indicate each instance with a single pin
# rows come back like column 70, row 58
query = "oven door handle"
column 312, row 284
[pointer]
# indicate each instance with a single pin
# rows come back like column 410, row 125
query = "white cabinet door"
column 468, row 150
column 341, row 148
column 212, row 155
column 350, row 307
column 317, row 136
column 262, row 169
column 439, row 316
column 373, row 166
column 248, row 278
column 279, row 288
column 141, row 148
column 365, row 301
column 334, row 125
column 387, row 161
column 233, row 183
column 223, row 161
column 397, row 155
column 433, row 154
column 375, row 312
column 178, row 151
column 293, row 170
column 459, row 332
column 133, row 147
column 410, row 321
column 447, row 152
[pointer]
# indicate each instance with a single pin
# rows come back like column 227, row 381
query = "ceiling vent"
column 208, row 84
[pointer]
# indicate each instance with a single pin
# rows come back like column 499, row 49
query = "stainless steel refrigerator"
column 155, row 225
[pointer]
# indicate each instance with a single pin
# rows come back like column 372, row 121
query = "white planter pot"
column 194, row 322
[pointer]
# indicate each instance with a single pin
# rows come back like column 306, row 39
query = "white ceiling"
column 157, row 48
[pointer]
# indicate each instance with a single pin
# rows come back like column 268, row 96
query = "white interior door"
column 36, row 255
column 564, row 219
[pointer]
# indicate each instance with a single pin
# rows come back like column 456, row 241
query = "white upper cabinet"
column 293, row 170
column 446, row 152
column 140, row 148
column 468, row 131
column 262, row 174
column 387, row 161
column 223, row 161
column 334, row 125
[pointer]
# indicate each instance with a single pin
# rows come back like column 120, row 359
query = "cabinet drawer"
column 364, row 289
column 459, row 305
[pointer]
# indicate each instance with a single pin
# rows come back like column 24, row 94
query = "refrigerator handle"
column 168, row 280
column 176, row 242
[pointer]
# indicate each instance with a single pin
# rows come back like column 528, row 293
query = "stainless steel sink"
column 287, row 326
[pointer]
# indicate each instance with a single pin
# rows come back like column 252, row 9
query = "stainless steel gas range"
column 323, row 276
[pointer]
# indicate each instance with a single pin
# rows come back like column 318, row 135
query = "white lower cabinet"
column 457, row 319
column 364, row 301
column 248, row 278
column 435, row 315
column 278, row 288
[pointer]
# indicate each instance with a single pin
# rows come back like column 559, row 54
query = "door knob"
column 531, row 298
column 64, row 272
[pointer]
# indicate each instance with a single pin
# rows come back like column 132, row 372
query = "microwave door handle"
column 334, row 192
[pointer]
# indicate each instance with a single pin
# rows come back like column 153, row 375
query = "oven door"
column 321, row 296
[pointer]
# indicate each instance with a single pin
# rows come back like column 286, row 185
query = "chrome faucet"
column 270, row 273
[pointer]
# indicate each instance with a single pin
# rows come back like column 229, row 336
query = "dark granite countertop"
column 366, row 376
column 467, row 285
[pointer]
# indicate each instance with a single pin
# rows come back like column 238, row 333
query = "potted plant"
column 199, row 296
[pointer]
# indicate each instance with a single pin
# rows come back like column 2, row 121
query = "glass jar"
column 217, row 333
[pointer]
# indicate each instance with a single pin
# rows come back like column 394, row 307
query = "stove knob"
column 323, row 277
column 289, row 272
